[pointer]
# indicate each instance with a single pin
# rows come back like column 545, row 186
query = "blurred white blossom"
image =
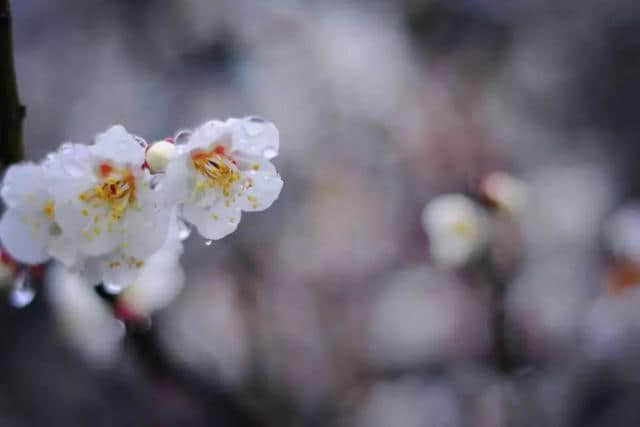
column 457, row 228
column 507, row 192
column 84, row 319
column 622, row 232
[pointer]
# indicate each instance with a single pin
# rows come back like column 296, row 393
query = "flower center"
column 48, row 209
column 116, row 191
column 217, row 169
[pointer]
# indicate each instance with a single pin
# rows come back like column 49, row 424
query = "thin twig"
column 12, row 112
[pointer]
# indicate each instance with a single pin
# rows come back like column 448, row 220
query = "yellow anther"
column 48, row 209
column 219, row 170
column 116, row 190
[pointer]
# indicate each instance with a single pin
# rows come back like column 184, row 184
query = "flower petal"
column 213, row 221
column 117, row 145
column 254, row 136
column 22, row 183
column 24, row 241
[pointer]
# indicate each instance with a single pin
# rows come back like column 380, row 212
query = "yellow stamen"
column 116, row 191
column 218, row 169
column 48, row 209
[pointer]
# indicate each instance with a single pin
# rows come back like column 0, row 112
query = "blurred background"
column 329, row 309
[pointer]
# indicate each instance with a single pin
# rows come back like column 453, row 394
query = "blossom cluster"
column 103, row 210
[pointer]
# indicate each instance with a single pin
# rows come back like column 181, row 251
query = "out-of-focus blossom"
column 206, row 329
column 622, row 232
column 422, row 317
column 566, row 206
column 411, row 403
column 507, row 192
column 224, row 169
column 84, row 318
column 610, row 325
column 545, row 304
column 457, row 229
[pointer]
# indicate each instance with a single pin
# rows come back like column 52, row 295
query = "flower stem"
column 500, row 349
column 11, row 111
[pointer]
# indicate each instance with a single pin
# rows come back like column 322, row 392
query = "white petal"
column 62, row 249
column 119, row 268
column 159, row 281
column 177, row 178
column 118, row 145
column 146, row 230
column 22, row 183
column 264, row 190
column 263, row 184
column 78, row 223
column 25, row 242
column 213, row 221
column 71, row 161
column 255, row 137
column 207, row 134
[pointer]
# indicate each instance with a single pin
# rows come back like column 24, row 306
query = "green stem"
column 11, row 111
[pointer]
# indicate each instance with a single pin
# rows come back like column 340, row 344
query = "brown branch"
column 11, row 111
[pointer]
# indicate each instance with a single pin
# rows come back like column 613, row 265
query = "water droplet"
column 112, row 288
column 141, row 141
column 156, row 182
column 66, row 147
column 184, row 230
column 253, row 127
column 73, row 169
column 182, row 136
column 269, row 153
column 208, row 242
column 22, row 293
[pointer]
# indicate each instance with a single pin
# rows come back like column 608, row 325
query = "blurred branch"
column 500, row 348
column 11, row 111
column 220, row 406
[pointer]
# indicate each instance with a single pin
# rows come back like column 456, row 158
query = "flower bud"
column 159, row 154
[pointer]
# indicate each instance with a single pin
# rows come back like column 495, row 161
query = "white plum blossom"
column 89, row 206
column 106, row 207
column 105, row 210
column 224, row 169
column 457, row 229
column 27, row 228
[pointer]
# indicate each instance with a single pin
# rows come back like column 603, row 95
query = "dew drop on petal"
column 208, row 242
column 66, row 147
column 112, row 288
column 72, row 169
column 182, row 136
column 253, row 128
column 156, row 182
column 269, row 153
column 141, row 141
column 22, row 292
column 184, row 230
